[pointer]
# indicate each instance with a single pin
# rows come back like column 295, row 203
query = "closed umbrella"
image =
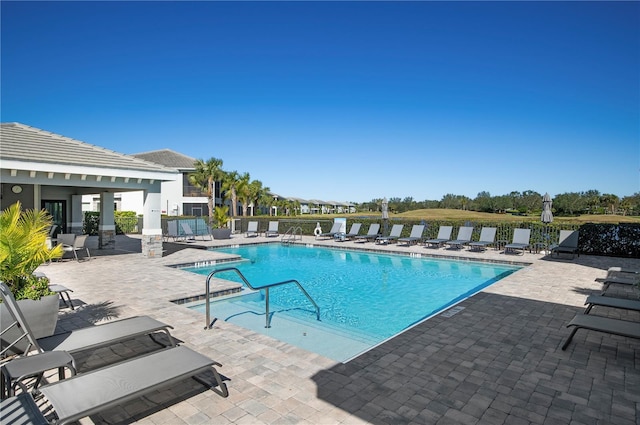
column 385, row 214
column 547, row 215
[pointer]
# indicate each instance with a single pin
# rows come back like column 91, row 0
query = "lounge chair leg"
column 566, row 343
column 222, row 389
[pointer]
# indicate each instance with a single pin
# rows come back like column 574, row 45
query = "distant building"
column 179, row 197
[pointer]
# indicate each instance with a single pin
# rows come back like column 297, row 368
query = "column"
column 151, row 222
column 76, row 215
column 107, row 226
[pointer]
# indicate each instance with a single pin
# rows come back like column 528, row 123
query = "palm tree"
column 263, row 197
column 244, row 192
column 204, row 177
column 257, row 194
column 230, row 188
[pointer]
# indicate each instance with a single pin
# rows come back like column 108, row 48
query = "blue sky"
column 345, row 101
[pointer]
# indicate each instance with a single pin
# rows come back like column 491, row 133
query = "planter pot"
column 41, row 317
column 221, row 233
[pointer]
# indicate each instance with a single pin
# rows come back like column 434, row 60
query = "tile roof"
column 20, row 142
column 168, row 158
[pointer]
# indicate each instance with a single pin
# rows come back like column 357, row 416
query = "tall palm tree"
column 230, row 188
column 204, row 177
column 244, row 192
column 257, row 194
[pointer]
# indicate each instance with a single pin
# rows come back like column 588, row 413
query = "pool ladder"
column 266, row 289
column 292, row 234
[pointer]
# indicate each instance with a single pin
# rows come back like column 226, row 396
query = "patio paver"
column 497, row 361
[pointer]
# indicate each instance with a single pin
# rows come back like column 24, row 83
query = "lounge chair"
column 521, row 241
column 335, row 229
column 17, row 338
column 621, row 303
column 393, row 236
column 252, row 229
column 444, row 234
column 272, row 231
column 78, row 244
column 415, row 237
column 93, row 391
column 114, row 385
column 186, row 229
column 464, row 237
column 487, row 238
column 353, row 232
column 567, row 243
column 372, row 234
column 602, row 324
column 618, row 280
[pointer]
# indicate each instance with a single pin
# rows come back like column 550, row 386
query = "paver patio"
column 497, row 361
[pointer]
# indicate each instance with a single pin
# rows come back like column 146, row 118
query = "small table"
column 22, row 368
column 539, row 246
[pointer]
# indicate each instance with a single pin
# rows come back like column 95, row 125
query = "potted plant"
column 221, row 231
column 23, row 247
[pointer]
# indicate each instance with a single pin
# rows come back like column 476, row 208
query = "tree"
column 483, row 202
column 204, row 177
column 244, row 192
column 230, row 184
column 610, row 201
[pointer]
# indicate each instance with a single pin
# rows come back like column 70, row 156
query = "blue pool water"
column 363, row 296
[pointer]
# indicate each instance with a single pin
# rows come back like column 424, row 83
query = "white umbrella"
column 547, row 215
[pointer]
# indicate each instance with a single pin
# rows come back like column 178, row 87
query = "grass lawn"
column 449, row 214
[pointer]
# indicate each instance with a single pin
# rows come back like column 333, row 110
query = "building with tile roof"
column 47, row 170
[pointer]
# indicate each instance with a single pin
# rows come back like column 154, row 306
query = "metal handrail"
column 266, row 288
column 290, row 234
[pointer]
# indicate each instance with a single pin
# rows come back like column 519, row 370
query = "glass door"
column 58, row 210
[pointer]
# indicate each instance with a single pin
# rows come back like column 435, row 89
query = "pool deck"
column 495, row 361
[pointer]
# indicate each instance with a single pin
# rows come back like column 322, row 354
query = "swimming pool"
column 364, row 297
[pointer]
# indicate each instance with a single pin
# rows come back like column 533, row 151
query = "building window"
column 195, row 209
column 190, row 190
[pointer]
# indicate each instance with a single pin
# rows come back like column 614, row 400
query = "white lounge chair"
column 252, row 229
column 272, row 231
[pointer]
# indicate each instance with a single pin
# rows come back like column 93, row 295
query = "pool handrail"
column 265, row 287
column 291, row 233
